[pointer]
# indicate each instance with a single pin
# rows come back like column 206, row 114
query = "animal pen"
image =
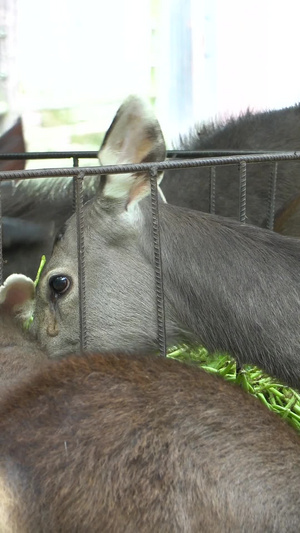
column 177, row 159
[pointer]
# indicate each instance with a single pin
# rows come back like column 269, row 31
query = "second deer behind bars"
column 229, row 286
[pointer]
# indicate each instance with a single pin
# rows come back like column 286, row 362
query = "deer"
column 36, row 209
column 228, row 286
column 126, row 443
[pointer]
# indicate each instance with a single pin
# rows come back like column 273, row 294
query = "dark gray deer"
column 46, row 202
column 117, row 444
column 269, row 130
column 228, row 286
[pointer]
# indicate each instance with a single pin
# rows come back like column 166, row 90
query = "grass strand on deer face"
column 29, row 321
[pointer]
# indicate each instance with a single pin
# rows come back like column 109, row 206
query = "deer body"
column 278, row 129
column 125, row 444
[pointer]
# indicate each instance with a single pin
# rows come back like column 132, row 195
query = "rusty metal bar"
column 242, row 191
column 75, row 165
column 272, row 197
column 145, row 167
column 81, row 260
column 212, row 190
column 158, row 272
column 81, row 154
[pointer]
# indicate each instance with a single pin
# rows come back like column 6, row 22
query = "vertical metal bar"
column 212, row 190
column 75, row 164
column 1, row 239
column 242, row 196
column 81, row 260
column 242, row 206
column 159, row 287
column 272, row 197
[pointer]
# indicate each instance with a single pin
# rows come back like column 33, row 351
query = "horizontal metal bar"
column 49, row 155
column 181, row 154
column 145, row 167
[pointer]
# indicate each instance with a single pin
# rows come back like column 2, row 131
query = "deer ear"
column 133, row 137
column 17, row 295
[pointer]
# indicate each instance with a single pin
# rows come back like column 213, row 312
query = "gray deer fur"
column 47, row 202
column 228, row 286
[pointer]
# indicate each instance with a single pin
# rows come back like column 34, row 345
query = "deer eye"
column 59, row 284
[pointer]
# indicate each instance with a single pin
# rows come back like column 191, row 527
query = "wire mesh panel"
column 177, row 160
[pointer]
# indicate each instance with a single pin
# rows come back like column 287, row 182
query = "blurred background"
column 66, row 65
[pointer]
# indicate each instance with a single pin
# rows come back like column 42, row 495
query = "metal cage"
column 176, row 160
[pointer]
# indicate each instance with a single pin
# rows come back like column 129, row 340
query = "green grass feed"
column 277, row 397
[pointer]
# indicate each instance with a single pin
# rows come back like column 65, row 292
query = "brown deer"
column 120, row 444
